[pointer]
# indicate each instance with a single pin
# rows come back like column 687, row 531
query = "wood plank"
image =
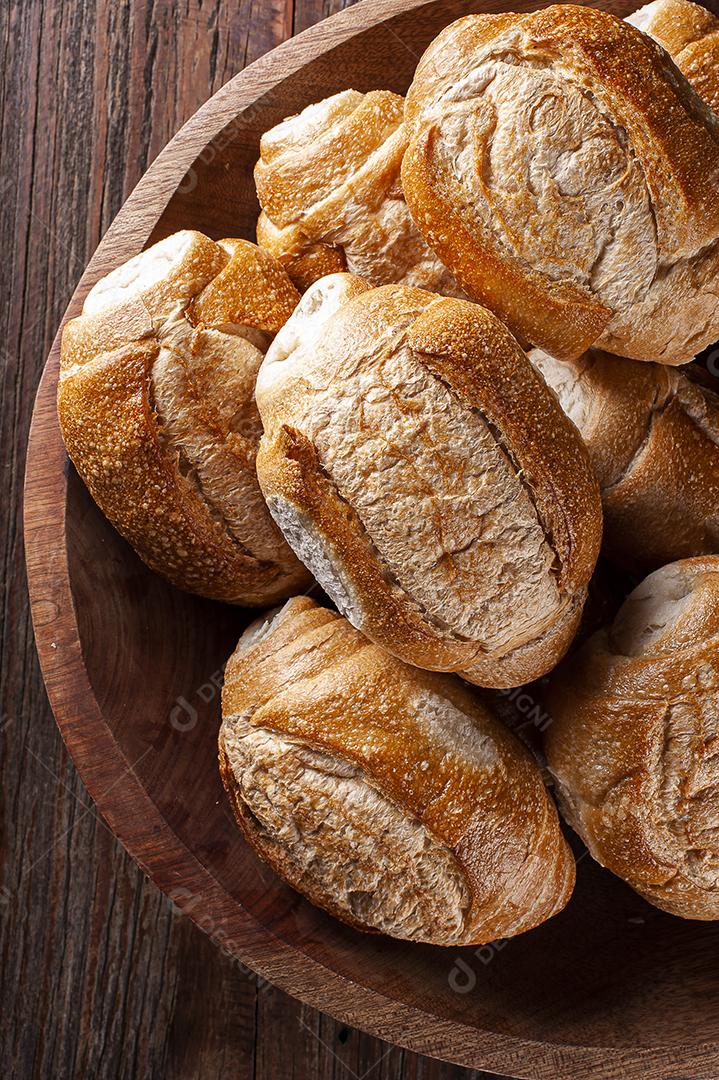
column 100, row 976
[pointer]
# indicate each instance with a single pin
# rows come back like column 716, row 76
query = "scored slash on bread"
column 157, row 412
column 429, row 479
column 388, row 796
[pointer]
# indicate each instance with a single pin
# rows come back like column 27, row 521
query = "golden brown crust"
column 304, row 262
column 479, row 90
column 653, row 437
column 328, row 182
column 690, row 34
column 251, row 290
column 633, row 741
column 353, row 126
column 187, row 262
column 540, row 655
column 171, row 495
column 470, row 360
column 424, row 744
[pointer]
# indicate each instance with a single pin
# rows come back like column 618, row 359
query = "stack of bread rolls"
column 446, row 379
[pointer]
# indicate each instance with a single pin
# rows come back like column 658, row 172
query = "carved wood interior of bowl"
column 610, row 988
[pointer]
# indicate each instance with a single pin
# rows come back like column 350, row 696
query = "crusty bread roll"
column 653, row 437
column 157, row 412
column 388, row 796
column 427, row 476
column 634, row 740
column 690, row 34
column 328, row 181
column 567, row 174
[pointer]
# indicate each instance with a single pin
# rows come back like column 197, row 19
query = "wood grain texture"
column 99, row 976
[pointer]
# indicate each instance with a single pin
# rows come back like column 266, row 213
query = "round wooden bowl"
column 610, row 988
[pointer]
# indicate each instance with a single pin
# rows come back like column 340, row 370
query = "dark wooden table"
column 100, row 977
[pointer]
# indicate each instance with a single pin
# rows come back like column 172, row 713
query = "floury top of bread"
column 428, row 478
column 157, row 411
column 565, row 171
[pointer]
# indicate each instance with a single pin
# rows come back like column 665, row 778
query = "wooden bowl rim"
column 127, row 807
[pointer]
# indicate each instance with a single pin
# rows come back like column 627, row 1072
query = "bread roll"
column 386, row 795
column 428, row 478
column 653, row 437
column 329, row 187
column 568, row 176
column 157, row 412
column 634, row 740
column 690, row 34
